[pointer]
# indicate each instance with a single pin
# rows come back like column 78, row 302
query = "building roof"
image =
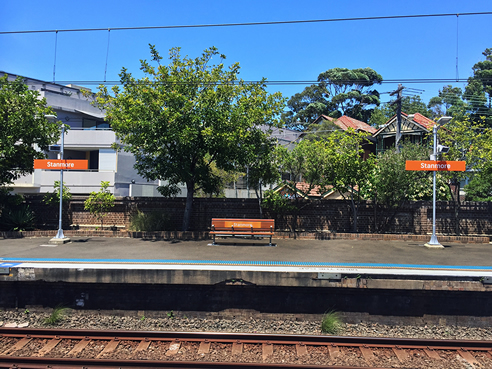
column 422, row 120
column 410, row 122
column 345, row 123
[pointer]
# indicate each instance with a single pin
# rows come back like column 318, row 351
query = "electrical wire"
column 286, row 82
column 250, row 23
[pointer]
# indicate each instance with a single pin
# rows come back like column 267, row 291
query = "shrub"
column 53, row 198
column 100, row 203
column 20, row 218
column 149, row 222
column 331, row 323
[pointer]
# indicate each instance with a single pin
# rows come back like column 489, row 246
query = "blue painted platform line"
column 11, row 262
column 8, row 265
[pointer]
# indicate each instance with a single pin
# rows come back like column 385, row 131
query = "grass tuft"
column 56, row 316
column 331, row 323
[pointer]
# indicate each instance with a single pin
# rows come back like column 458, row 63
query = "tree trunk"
column 354, row 213
column 190, row 187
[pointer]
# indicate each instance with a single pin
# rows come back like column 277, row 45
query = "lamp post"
column 434, row 243
column 60, row 237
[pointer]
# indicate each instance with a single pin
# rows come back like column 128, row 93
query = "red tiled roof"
column 355, row 124
column 345, row 122
column 423, row 120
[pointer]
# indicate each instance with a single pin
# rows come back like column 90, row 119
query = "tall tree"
column 24, row 129
column 340, row 91
column 180, row 118
column 350, row 91
column 478, row 92
column 449, row 102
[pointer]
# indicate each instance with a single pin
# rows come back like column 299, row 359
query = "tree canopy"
column 182, row 118
column 24, row 129
column 339, row 91
column 478, row 92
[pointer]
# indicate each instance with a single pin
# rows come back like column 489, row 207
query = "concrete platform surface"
column 288, row 250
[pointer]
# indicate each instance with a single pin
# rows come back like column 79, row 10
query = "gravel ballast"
column 170, row 321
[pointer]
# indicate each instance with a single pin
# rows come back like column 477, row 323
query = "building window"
column 93, row 124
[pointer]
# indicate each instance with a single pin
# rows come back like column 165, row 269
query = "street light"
column 434, row 243
column 60, row 237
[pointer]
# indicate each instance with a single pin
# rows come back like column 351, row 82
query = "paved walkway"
column 286, row 250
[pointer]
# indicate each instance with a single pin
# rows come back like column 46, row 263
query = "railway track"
column 48, row 348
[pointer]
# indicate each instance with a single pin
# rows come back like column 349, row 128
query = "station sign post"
column 435, row 166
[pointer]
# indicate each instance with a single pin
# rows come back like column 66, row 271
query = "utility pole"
column 398, row 115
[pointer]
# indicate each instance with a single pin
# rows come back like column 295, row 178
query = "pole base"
column 59, row 241
column 433, row 246
column 60, row 238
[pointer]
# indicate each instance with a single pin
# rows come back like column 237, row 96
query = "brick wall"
column 332, row 215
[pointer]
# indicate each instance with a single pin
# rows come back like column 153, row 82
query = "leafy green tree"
column 181, row 118
column 262, row 168
column 304, row 107
column 53, row 198
column 478, row 92
column 100, row 203
column 344, row 168
column 391, row 186
column 340, row 91
column 449, row 102
column 24, row 129
column 480, row 186
column 350, row 90
column 468, row 141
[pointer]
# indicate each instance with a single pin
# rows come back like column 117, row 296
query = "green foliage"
column 350, row 91
column 56, row 316
column 340, row 91
column 149, row 222
column 53, row 198
column 22, row 127
column 409, row 105
column 276, row 203
column 480, row 186
column 331, row 323
column 449, row 102
column 182, row 118
column 391, row 185
column 478, row 92
column 345, row 169
column 468, row 140
column 19, row 218
column 100, row 203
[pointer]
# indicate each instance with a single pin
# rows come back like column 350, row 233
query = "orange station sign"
column 436, row 166
column 58, row 164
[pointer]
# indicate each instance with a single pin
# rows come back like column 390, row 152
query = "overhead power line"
column 248, row 23
column 286, row 82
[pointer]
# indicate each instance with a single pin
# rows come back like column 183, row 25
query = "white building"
column 89, row 138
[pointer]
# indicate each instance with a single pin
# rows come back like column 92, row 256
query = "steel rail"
column 321, row 340
column 364, row 344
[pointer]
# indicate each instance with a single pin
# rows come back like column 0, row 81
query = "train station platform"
column 291, row 262
column 400, row 277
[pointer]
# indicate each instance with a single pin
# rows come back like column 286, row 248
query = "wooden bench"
column 242, row 228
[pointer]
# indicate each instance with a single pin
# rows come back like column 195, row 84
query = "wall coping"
column 204, row 235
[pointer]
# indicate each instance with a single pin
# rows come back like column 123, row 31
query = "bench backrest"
column 243, row 224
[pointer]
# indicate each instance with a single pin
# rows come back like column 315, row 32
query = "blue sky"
column 397, row 48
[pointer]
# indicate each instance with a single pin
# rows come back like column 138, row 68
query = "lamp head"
column 443, row 120
column 442, row 149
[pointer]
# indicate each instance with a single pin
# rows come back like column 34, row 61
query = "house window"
column 93, row 124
